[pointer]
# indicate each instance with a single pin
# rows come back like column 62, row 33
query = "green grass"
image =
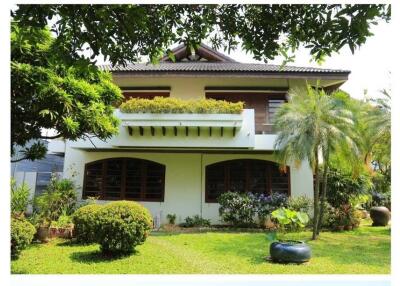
column 364, row 251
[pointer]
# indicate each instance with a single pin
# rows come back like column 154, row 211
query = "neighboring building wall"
column 184, row 179
column 36, row 181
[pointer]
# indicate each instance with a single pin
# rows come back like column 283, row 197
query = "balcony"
column 189, row 131
column 185, row 130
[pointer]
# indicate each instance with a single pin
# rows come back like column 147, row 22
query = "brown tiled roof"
column 217, row 67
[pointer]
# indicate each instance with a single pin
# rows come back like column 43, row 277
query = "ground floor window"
column 245, row 175
column 124, row 178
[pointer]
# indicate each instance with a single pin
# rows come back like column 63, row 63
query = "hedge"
column 175, row 105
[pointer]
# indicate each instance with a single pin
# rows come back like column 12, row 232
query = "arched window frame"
column 144, row 164
column 224, row 164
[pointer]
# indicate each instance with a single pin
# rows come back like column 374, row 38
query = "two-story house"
column 180, row 163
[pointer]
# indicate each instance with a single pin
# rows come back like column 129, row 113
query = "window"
column 265, row 106
column 245, row 175
column 124, row 179
column 272, row 108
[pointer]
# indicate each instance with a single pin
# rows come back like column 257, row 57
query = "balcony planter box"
column 180, row 120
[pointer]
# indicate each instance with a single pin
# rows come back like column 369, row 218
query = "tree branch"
column 51, row 137
column 18, row 160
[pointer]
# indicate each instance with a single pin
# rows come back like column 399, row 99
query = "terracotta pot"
column 348, row 227
column 61, row 232
column 339, row 227
column 43, row 233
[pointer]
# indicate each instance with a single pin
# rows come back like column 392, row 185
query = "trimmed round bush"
column 85, row 223
column 22, row 232
column 122, row 225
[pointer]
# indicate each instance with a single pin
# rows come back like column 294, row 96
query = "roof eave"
column 303, row 75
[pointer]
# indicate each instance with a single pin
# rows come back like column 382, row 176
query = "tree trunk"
column 324, row 188
column 316, row 197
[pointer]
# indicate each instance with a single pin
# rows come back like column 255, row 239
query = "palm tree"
column 312, row 124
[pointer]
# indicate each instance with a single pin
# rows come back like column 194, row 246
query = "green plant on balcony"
column 175, row 105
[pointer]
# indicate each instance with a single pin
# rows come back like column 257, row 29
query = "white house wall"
column 184, row 179
column 194, row 87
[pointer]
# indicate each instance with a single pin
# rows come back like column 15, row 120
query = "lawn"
column 362, row 251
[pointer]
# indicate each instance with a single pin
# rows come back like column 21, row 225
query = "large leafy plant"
column 290, row 219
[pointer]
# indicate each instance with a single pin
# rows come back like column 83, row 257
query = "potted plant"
column 43, row 230
column 289, row 251
column 63, row 227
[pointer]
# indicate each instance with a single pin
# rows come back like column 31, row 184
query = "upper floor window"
column 245, row 175
column 272, row 107
column 124, row 179
column 145, row 92
column 265, row 105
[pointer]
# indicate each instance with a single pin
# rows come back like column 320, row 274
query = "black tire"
column 380, row 216
column 290, row 252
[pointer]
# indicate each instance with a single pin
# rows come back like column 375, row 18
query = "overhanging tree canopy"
column 124, row 32
column 74, row 99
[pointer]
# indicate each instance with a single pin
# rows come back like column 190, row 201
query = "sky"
column 370, row 65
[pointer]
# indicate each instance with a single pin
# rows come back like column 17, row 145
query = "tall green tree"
column 311, row 126
column 49, row 91
column 124, row 32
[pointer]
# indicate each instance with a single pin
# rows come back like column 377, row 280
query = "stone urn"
column 380, row 216
column 290, row 251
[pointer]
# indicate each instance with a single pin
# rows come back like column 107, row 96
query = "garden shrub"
column 266, row 204
column 122, row 225
column 59, row 198
column 85, row 223
column 19, row 198
column 176, row 105
column 300, row 204
column 342, row 217
column 64, row 221
column 171, row 218
column 241, row 209
column 196, row 221
column 343, row 187
column 237, row 209
column 381, row 199
column 22, row 232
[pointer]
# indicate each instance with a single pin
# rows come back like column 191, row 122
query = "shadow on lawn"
column 97, row 256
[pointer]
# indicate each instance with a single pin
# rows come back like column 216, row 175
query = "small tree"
column 310, row 124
